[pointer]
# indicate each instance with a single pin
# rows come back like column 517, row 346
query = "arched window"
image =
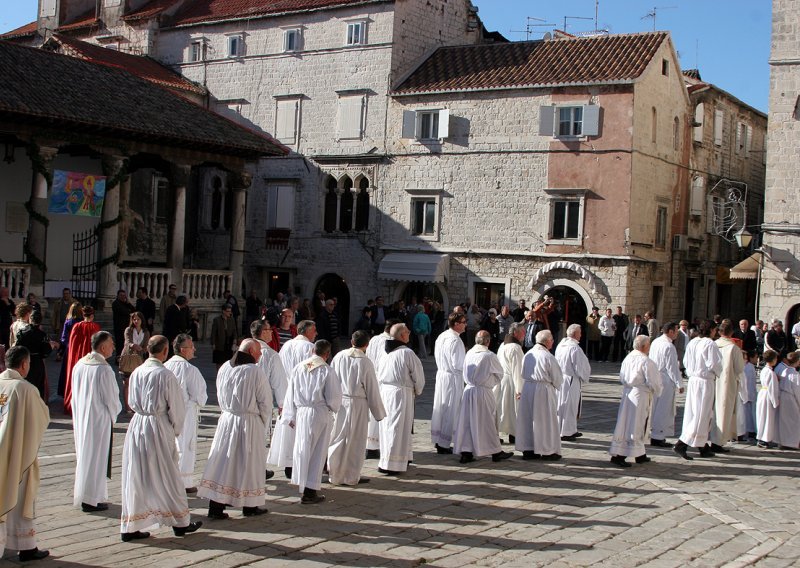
column 228, row 214
column 676, row 134
column 331, row 205
column 654, row 125
column 362, row 205
column 346, row 206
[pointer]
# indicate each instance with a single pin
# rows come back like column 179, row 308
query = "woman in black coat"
column 40, row 346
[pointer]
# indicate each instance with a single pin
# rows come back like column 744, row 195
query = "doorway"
column 334, row 286
column 570, row 308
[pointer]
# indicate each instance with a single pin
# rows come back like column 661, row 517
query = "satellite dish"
column 547, row 36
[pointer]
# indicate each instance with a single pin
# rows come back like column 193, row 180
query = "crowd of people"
column 498, row 373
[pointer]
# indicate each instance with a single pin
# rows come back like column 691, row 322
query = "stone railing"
column 156, row 280
column 15, row 277
column 206, row 287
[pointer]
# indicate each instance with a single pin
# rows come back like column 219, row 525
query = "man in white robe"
column 152, row 486
column 376, row 351
column 270, row 363
column 789, row 407
column 95, row 407
column 449, row 388
column 23, row 421
column 401, row 379
column 234, row 473
column 361, row 398
column 294, row 351
column 641, row 381
column 314, row 396
column 576, row 370
column 508, row 392
column 538, row 434
column 476, row 428
column 195, row 395
column 665, row 355
column 723, row 427
column 703, row 363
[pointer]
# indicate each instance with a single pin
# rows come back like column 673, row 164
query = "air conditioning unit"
column 680, row 242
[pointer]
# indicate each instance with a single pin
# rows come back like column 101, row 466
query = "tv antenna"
column 654, row 13
column 529, row 25
column 575, row 18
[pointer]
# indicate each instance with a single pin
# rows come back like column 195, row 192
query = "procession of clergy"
column 333, row 413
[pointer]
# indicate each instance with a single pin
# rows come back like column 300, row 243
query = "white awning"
column 415, row 267
column 748, row 268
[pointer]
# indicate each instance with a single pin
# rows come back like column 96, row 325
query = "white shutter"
column 546, row 121
column 409, row 124
column 591, row 120
column 286, row 121
column 748, row 135
column 351, row 117
column 697, row 197
column 699, row 118
column 444, row 124
column 719, row 117
column 284, row 207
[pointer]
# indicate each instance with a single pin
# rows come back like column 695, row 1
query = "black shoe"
column 363, row 480
column 287, row 471
column 500, row 456
column 441, row 450
column 530, row 455
column 216, row 511
column 660, row 443
column 568, row 438
column 716, row 448
column 311, row 497
column 268, row 474
column 620, row 461
column 34, row 554
column 127, row 537
column 705, row 452
column 680, row 449
column 578, row 434
column 191, row 490
column 373, row 455
column 190, row 528
column 741, row 438
column 86, row 508
column 643, row 459
column 761, row 444
column 511, row 438
column 466, row 457
column 253, row 511
column 552, row 457
column 388, row 471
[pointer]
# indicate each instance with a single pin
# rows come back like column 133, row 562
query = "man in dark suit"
column 636, row 327
column 746, row 335
column 177, row 320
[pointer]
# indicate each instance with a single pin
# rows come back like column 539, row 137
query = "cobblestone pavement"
column 736, row 510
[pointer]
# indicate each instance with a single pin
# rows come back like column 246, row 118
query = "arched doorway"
column 334, row 286
column 572, row 306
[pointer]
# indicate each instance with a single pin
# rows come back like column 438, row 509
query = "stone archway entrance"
column 573, row 304
column 334, row 286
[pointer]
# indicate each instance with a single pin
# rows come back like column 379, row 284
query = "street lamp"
column 743, row 238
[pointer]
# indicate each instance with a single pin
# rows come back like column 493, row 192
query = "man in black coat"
column 121, row 310
column 147, row 306
column 747, row 336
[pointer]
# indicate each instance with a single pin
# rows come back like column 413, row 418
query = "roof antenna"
column 654, row 12
column 529, row 27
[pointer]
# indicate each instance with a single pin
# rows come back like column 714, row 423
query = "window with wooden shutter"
column 280, row 206
column 699, row 119
column 286, row 120
column 698, row 196
column 719, row 118
column 351, row 117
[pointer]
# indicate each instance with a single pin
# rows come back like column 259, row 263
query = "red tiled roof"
column 22, row 31
column 198, row 11
column 579, row 61
column 141, row 66
column 149, row 10
column 85, row 20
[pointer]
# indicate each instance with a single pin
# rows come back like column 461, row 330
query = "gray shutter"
column 409, row 124
column 591, row 120
column 546, row 120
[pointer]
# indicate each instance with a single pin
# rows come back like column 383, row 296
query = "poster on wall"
column 76, row 193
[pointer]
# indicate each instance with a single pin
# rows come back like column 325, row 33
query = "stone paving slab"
column 735, row 510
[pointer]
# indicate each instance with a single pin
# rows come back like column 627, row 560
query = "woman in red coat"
column 80, row 343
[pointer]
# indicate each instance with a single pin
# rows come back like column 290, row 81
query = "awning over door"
column 415, row 267
column 748, row 268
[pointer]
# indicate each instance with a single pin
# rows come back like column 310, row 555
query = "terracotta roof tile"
column 141, row 66
column 23, row 31
column 603, row 59
column 85, row 20
column 113, row 102
column 199, row 11
column 149, row 10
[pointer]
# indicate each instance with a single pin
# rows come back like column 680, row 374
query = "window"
column 741, row 137
column 346, row 204
column 566, row 216
column 423, row 217
column 351, row 117
column 699, row 119
column 569, row 121
column 291, row 40
column 665, row 67
column 426, row 124
column 287, row 115
column 653, row 125
column 197, row 50
column 698, row 196
column 748, row 140
column 236, row 45
column 280, row 206
column 719, row 119
column 676, row 134
column 661, row 227
column 160, row 199
column 356, row 33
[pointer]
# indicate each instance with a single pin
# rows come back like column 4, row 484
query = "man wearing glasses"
column 449, row 352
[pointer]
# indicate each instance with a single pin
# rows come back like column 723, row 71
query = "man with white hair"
column 665, row 356
column 401, row 378
column 449, row 353
column 538, row 434
column 641, row 380
column 376, row 351
column 234, row 473
column 509, row 390
column 476, row 432
column 576, row 370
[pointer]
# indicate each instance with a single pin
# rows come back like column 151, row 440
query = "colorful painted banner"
column 76, row 193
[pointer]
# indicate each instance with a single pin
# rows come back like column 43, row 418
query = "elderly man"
column 509, row 390
column 152, row 488
column 449, row 353
column 193, row 388
column 703, row 362
column 95, row 407
column 537, row 416
column 376, row 351
column 576, row 370
column 328, row 324
column 234, row 473
column 746, row 335
column 665, row 356
column 723, row 427
column 476, row 430
column 297, row 349
column 401, row 378
column 314, row 393
column 641, row 380
column 23, row 421
column 361, row 398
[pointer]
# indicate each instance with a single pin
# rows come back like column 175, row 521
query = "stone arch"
column 594, row 283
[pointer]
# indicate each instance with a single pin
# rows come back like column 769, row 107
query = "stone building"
column 779, row 262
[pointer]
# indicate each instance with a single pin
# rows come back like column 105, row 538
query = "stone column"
column 36, row 243
column 177, row 235
column 239, row 184
column 109, row 243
